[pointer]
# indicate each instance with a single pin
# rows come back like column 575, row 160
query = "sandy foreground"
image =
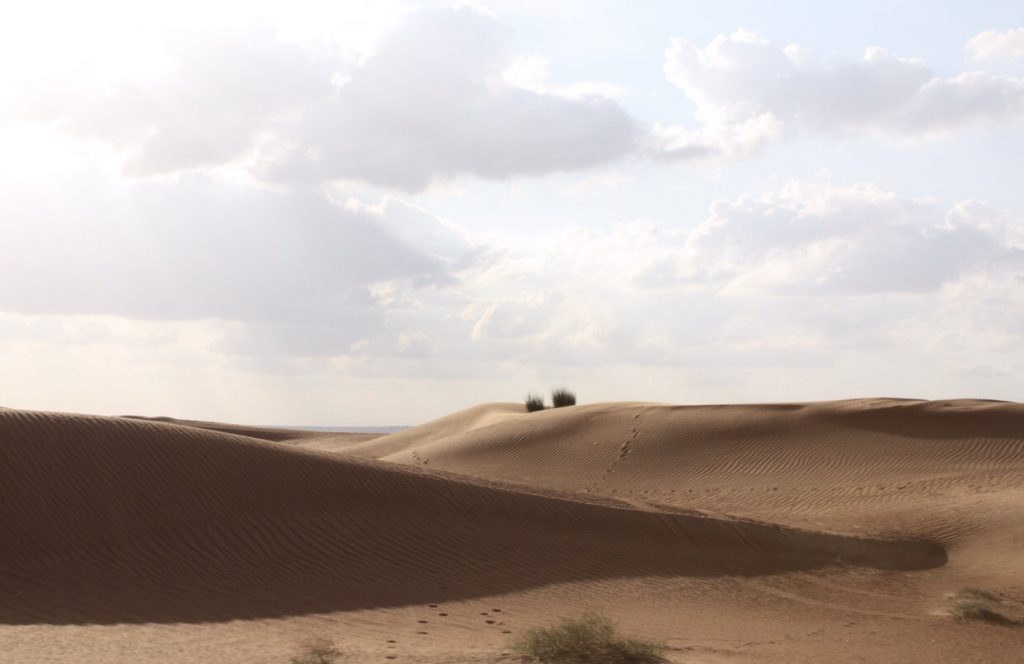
column 821, row 532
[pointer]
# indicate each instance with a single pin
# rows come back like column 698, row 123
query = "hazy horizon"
column 322, row 212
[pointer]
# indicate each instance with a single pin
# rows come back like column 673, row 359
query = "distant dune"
column 111, row 521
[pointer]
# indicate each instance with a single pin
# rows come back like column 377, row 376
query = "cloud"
column 997, row 44
column 299, row 272
column 235, row 284
column 297, row 275
column 857, row 239
column 223, row 91
column 783, row 278
column 749, row 93
column 431, row 102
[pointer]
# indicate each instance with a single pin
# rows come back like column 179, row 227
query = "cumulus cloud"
column 785, row 277
column 432, row 101
column 997, row 44
column 749, row 92
column 845, row 240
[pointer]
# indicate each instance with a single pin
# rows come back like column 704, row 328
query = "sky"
column 329, row 213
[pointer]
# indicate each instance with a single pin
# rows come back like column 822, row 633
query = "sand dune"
column 880, row 466
column 870, row 509
column 109, row 519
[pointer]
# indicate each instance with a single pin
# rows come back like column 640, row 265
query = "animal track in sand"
column 624, row 451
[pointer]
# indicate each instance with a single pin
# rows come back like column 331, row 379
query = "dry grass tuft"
column 534, row 402
column 320, row 651
column 976, row 605
column 562, row 396
column 590, row 639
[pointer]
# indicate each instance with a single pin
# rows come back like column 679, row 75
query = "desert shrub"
column 976, row 605
column 318, row 652
column 589, row 639
column 966, row 610
column 534, row 402
column 562, row 396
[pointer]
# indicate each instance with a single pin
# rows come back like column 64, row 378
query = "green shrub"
column 562, row 396
column 534, row 402
column 590, row 639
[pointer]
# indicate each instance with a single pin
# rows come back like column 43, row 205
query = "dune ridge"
column 111, row 520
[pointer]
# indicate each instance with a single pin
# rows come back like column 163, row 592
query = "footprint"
column 489, row 622
column 422, row 622
column 391, row 641
column 443, row 614
column 422, row 632
column 433, row 606
column 496, row 610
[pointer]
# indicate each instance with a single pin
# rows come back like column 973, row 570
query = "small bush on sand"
column 562, row 396
column 590, row 639
column 966, row 610
column 976, row 605
column 534, row 402
column 318, row 652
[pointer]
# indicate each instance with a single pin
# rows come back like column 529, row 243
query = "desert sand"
column 819, row 532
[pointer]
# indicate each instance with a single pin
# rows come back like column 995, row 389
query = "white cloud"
column 786, row 277
column 206, row 106
column 997, row 44
column 749, row 92
column 293, row 274
column 845, row 240
column 296, row 269
column 232, row 281
column 431, row 102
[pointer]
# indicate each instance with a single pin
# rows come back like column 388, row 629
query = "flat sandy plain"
column 819, row 532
